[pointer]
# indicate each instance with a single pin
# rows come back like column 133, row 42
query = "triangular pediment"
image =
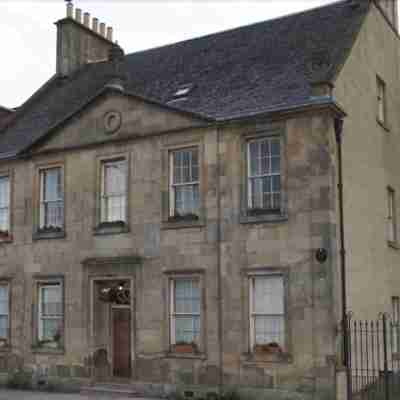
column 115, row 116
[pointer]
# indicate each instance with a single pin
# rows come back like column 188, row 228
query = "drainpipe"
column 219, row 267
column 346, row 355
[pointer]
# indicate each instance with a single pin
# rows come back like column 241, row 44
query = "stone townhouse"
column 172, row 217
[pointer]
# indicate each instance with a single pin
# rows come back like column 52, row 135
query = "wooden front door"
column 121, row 342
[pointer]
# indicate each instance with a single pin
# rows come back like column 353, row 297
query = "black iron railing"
column 374, row 358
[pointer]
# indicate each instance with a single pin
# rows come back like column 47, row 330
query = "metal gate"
column 374, row 358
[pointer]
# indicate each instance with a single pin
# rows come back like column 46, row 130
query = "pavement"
column 28, row 395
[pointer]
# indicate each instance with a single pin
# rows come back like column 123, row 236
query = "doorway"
column 121, row 323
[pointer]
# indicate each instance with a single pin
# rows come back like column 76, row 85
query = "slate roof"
column 237, row 73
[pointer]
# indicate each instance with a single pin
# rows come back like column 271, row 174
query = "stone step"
column 136, row 390
column 110, row 390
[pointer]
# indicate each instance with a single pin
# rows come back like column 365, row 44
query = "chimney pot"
column 95, row 24
column 86, row 19
column 109, row 33
column 70, row 10
column 103, row 29
column 78, row 15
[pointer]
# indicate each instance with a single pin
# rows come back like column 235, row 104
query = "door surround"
column 98, row 271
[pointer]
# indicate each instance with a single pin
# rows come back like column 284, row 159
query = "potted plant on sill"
column 186, row 347
column 50, row 229
column 268, row 348
column 183, row 217
column 111, row 224
column 254, row 212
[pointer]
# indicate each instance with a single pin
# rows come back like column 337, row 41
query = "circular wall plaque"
column 112, row 121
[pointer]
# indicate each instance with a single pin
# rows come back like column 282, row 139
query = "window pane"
column 270, row 329
column 4, row 192
column 115, row 177
column 113, row 207
column 253, row 154
column 54, row 213
column 276, row 183
column 49, row 328
column 268, row 295
column 52, row 184
column 51, row 300
column 264, row 157
column 186, row 199
column 275, row 165
column 275, row 147
column 187, row 296
column 187, row 329
column 4, row 326
column 4, row 300
column 185, row 166
column 4, row 219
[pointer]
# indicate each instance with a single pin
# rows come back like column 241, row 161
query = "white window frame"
column 250, row 178
column 391, row 216
column 104, row 196
column 7, row 207
column 44, row 202
column 173, row 185
column 253, row 314
column 172, row 312
column 6, row 285
column 381, row 100
column 41, row 318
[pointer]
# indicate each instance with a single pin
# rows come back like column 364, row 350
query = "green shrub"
column 20, row 380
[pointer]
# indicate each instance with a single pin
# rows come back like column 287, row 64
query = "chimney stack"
column 81, row 43
column 86, row 19
column 110, row 33
column 70, row 10
column 95, row 25
column 103, row 29
column 78, row 15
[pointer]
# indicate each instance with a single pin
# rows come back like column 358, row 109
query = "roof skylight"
column 182, row 91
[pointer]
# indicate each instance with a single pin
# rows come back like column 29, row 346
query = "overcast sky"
column 28, row 35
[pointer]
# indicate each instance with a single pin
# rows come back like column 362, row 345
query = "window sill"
column 189, row 356
column 393, row 245
column 383, row 124
column 49, row 235
column 260, row 358
column 262, row 218
column 47, row 350
column 110, row 229
column 183, row 223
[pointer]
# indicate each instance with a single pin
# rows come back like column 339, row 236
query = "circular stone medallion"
column 112, row 121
